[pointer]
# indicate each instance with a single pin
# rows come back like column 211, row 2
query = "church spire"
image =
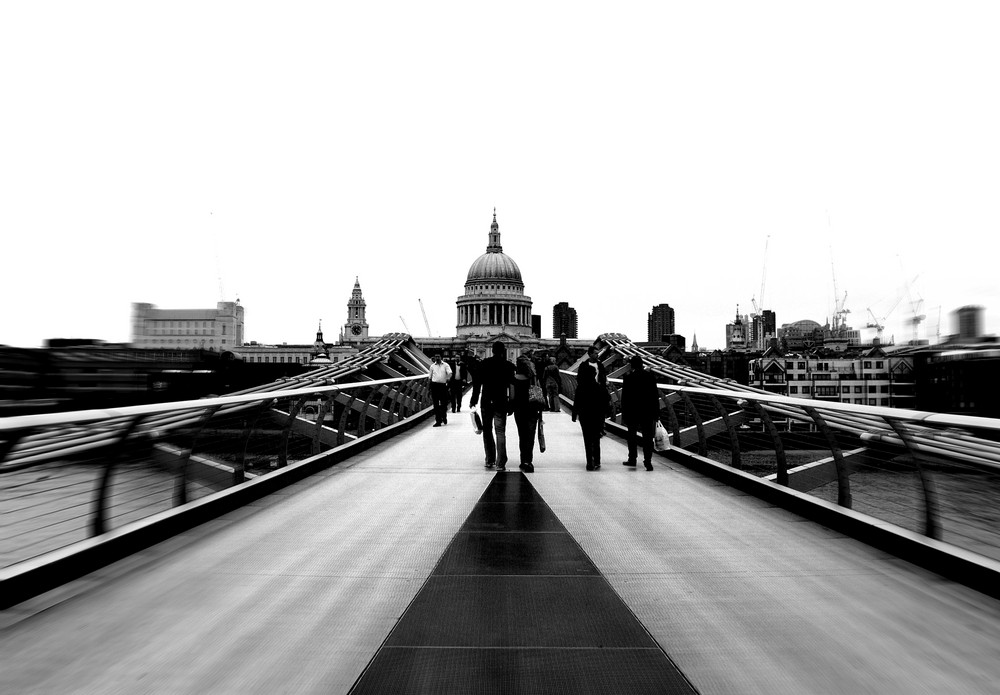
column 494, row 245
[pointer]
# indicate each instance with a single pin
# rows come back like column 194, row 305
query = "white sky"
column 185, row 153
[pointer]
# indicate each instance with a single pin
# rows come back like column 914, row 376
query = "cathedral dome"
column 494, row 266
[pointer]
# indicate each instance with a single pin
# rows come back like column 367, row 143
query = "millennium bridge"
column 317, row 535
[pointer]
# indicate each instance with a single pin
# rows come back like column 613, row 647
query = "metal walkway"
column 299, row 592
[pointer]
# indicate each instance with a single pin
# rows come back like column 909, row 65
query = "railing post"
column 386, row 390
column 286, row 431
column 932, row 523
column 363, row 415
column 675, row 425
column 180, row 482
column 779, row 446
column 326, row 404
column 843, row 479
column 696, row 416
column 99, row 522
column 239, row 474
column 342, row 425
column 734, row 441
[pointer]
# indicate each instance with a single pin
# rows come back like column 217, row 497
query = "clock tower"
column 356, row 328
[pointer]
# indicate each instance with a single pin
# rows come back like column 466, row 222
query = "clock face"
column 356, row 330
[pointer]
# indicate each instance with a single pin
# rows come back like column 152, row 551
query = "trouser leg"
column 500, row 426
column 525, row 420
column 633, row 449
column 648, row 430
column 488, row 441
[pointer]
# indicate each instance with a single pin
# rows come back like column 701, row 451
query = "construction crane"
column 426, row 324
column 407, row 328
column 763, row 278
column 839, row 309
column 915, row 317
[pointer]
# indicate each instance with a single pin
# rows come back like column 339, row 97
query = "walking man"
column 590, row 405
column 552, row 381
column 440, row 376
column 493, row 379
column 640, row 411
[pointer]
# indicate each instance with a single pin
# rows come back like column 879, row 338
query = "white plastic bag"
column 661, row 440
column 477, row 420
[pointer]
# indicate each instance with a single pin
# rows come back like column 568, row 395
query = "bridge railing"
column 72, row 476
column 932, row 474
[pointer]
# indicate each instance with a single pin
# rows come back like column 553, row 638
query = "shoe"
column 437, row 424
column 629, row 463
column 445, row 421
column 489, row 464
column 527, row 467
column 501, row 467
column 649, row 466
column 590, row 467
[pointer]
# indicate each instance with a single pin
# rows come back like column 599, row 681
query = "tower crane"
column 426, row 324
column 404, row 325
column 757, row 309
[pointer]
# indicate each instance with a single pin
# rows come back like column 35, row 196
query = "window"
column 805, row 389
column 859, row 401
column 884, row 401
column 868, row 364
column 846, row 389
column 802, row 365
column 883, row 389
column 878, row 365
column 223, row 329
column 789, row 365
column 871, row 401
column 793, row 389
column 872, row 389
column 857, row 389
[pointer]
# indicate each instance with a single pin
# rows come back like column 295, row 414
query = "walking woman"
column 590, row 405
column 526, row 413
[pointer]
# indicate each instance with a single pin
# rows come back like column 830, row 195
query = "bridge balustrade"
column 69, row 478
column 928, row 473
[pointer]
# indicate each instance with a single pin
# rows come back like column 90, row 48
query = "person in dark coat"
column 493, row 379
column 526, row 413
column 640, row 411
column 553, row 382
column 590, row 405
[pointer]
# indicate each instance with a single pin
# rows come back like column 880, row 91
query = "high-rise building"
column 536, row 325
column 219, row 329
column 763, row 327
column 563, row 320
column 659, row 322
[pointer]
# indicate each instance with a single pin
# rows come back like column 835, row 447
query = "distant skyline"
column 636, row 154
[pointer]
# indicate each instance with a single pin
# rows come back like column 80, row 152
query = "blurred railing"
column 72, row 476
column 929, row 473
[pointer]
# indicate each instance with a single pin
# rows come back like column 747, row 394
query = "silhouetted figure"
column 640, row 411
column 526, row 413
column 553, row 382
column 494, row 380
column 590, row 405
column 456, row 386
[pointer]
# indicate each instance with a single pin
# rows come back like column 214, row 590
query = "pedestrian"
column 553, row 382
column 493, row 379
column 456, row 386
column 640, row 411
column 440, row 376
column 590, row 405
column 526, row 413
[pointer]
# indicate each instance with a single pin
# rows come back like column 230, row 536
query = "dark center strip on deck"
column 515, row 605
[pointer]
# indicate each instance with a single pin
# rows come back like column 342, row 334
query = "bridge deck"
column 299, row 592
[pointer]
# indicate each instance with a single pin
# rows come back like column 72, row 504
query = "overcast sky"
column 186, row 153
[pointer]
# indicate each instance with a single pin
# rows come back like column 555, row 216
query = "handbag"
column 541, row 436
column 477, row 421
column 661, row 440
column 536, row 396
